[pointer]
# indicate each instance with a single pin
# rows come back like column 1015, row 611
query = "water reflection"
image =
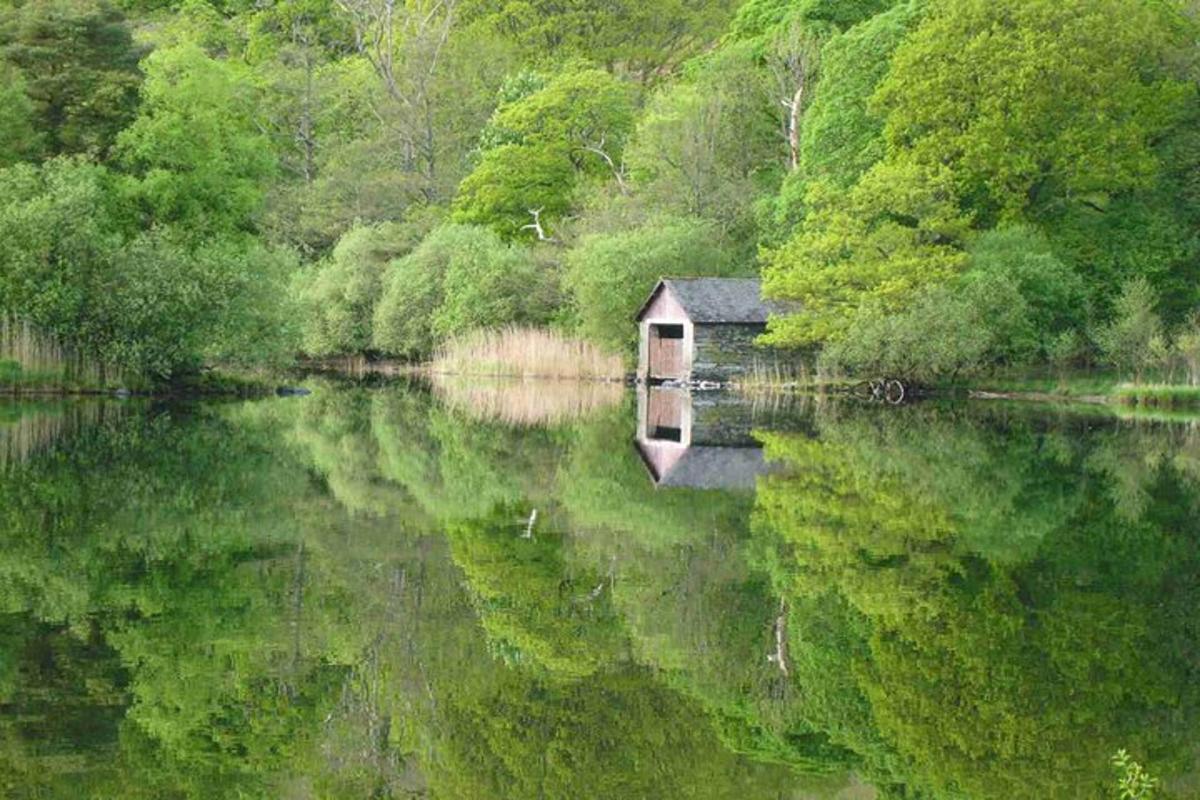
column 377, row 594
column 701, row 441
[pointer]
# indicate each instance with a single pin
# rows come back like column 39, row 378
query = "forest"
column 941, row 187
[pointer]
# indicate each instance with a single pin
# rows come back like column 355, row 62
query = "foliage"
column 703, row 147
column 610, row 275
column 198, row 153
column 337, row 297
column 1130, row 340
column 936, row 99
column 1055, row 293
column 540, row 145
column 460, row 278
column 842, row 134
column 897, row 231
column 879, row 160
column 1033, row 101
column 1134, row 783
column 18, row 137
column 80, row 68
column 946, row 332
column 645, row 40
column 155, row 303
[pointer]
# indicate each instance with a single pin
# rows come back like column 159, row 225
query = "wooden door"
column 666, row 352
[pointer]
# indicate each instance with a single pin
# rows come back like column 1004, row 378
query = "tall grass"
column 30, row 358
column 1159, row 395
column 526, row 353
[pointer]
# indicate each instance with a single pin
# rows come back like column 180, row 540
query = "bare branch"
column 536, row 227
column 617, row 171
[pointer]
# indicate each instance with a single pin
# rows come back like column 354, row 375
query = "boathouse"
column 700, row 329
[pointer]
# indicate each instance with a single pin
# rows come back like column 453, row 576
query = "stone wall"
column 724, row 353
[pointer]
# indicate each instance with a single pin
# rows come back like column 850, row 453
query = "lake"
column 540, row 591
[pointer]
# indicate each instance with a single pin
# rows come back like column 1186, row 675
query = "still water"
column 535, row 593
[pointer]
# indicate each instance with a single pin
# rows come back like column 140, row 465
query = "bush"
column 1135, row 334
column 170, row 306
column 609, row 275
column 1187, row 349
column 154, row 304
column 489, row 283
column 461, row 278
column 949, row 331
column 1054, row 292
column 337, row 297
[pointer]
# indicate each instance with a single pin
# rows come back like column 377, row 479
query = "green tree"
column 609, row 275
column 708, row 145
column 196, row 149
column 540, row 146
column 646, row 40
column 81, row 70
column 896, row 232
column 337, row 297
column 18, row 138
column 461, row 277
column 1030, row 103
column 1129, row 341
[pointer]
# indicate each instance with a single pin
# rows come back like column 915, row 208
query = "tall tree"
column 81, row 70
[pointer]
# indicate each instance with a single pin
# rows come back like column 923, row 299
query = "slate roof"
column 716, row 300
column 729, row 468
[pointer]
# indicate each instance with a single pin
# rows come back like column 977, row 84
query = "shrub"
column 609, row 275
column 489, row 283
column 949, row 331
column 1131, row 340
column 462, row 277
column 337, row 297
column 1187, row 348
column 1054, row 292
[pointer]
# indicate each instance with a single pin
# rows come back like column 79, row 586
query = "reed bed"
column 525, row 402
column 30, row 358
column 1167, row 396
column 776, row 377
column 38, row 430
column 526, row 353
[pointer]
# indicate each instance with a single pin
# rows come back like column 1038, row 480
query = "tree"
column 1129, row 341
column 337, row 297
column 540, row 146
column 1054, row 293
column 950, row 331
column 843, row 134
column 80, row 65
column 897, row 231
column 1030, row 103
column 60, row 228
column 461, row 277
column 490, row 284
column 196, row 148
column 609, row 275
column 18, row 138
column 708, row 146
column 646, row 40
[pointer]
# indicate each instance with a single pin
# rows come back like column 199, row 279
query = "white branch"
column 536, row 227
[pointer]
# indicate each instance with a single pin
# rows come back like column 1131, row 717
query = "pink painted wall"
column 665, row 308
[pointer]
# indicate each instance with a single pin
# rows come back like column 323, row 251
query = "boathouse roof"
column 715, row 300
